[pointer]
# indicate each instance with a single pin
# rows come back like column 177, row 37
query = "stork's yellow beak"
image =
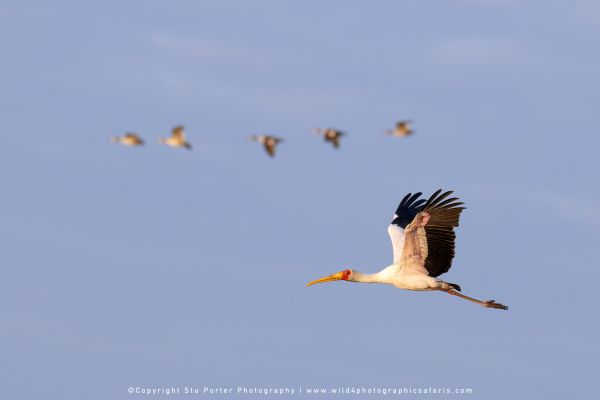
column 335, row 277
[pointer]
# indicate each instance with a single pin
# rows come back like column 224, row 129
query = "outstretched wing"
column 178, row 133
column 270, row 147
column 407, row 210
column 429, row 238
column 335, row 140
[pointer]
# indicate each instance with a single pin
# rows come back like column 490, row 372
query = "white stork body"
column 402, row 279
column 422, row 234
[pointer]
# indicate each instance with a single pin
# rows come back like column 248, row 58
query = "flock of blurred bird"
column 269, row 142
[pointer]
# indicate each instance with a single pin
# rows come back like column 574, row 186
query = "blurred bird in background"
column 402, row 129
column 128, row 139
column 177, row 138
column 269, row 142
column 330, row 135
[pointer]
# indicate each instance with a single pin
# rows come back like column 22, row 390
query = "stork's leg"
column 486, row 303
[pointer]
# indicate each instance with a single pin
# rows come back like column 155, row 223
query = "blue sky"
column 149, row 267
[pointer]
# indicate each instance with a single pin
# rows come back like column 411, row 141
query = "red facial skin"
column 346, row 274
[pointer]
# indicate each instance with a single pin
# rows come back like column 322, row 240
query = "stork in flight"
column 422, row 234
column 269, row 142
column 330, row 135
column 128, row 139
column 402, row 129
column 177, row 138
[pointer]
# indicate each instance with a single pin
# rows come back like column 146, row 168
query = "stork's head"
column 345, row 275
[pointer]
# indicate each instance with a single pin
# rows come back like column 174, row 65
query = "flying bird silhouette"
column 269, row 142
column 402, row 129
column 177, row 138
column 422, row 234
column 330, row 135
column 128, row 139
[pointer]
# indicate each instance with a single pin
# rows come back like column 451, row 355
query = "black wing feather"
column 407, row 210
column 440, row 231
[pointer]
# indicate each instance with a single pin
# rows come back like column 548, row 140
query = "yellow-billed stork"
column 269, row 142
column 402, row 129
column 177, row 138
column 422, row 234
column 330, row 135
column 128, row 139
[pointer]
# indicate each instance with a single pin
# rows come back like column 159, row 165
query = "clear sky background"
column 157, row 267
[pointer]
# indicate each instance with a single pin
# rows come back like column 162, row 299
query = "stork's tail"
column 455, row 286
column 448, row 285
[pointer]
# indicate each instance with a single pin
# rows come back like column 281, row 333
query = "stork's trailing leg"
column 486, row 303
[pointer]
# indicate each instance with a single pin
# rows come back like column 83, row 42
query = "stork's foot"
column 493, row 304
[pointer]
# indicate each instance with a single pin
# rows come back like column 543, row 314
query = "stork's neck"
column 378, row 277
